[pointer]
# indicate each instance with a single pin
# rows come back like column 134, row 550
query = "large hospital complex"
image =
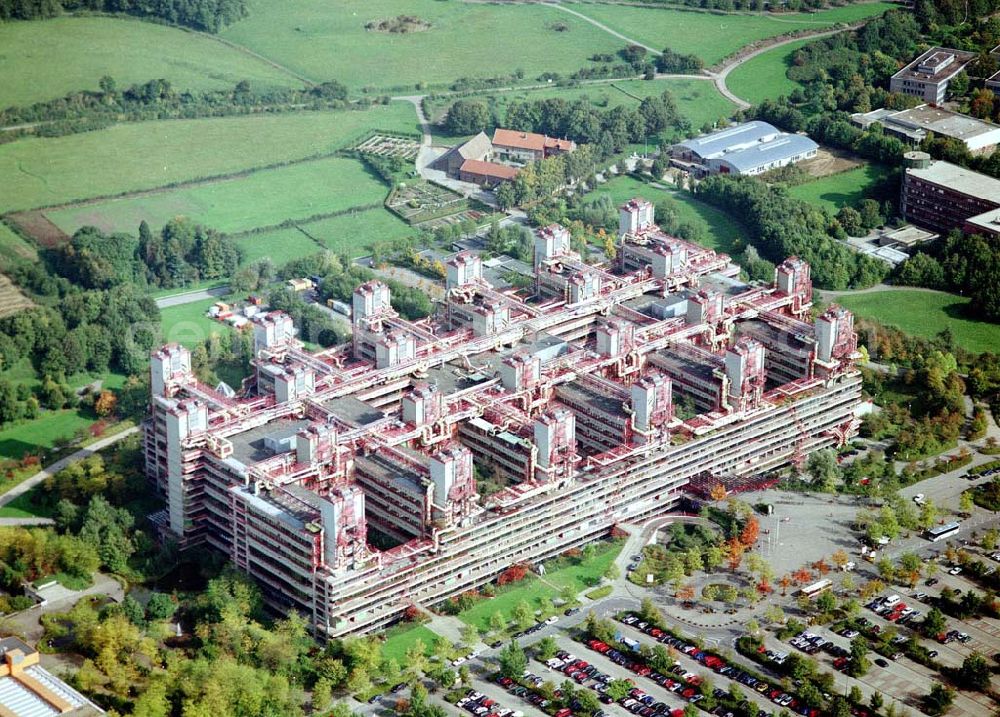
column 345, row 481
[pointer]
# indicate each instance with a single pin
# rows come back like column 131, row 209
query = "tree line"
column 93, row 312
column 967, row 265
column 181, row 253
column 582, row 120
column 781, row 226
column 205, row 15
column 87, row 110
column 74, row 329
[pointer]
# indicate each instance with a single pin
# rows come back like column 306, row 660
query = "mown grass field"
column 401, row 640
column 147, row 155
column 926, row 313
column 843, row 189
column 764, row 77
column 352, row 234
column 713, row 36
column 533, row 590
column 188, row 325
column 41, row 434
column 256, row 200
column 324, row 40
column 697, row 100
column 68, row 54
column 278, row 245
column 720, row 231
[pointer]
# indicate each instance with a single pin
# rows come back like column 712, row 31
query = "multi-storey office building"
column 943, row 196
column 927, row 77
column 344, row 481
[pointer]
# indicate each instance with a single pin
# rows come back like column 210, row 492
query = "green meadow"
column 713, row 36
column 842, row 189
column 259, row 199
column 351, row 233
column 328, row 40
column 925, row 313
column 764, row 76
column 68, row 54
column 148, row 155
column 189, row 325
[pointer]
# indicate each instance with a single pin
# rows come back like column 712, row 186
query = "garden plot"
column 473, row 214
column 423, row 201
column 389, row 146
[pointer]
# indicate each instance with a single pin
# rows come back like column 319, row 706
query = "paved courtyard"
column 804, row 528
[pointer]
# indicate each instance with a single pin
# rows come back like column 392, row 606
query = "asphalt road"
column 189, row 297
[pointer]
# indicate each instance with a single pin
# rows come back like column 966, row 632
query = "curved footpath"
column 731, row 64
column 719, row 76
column 26, row 485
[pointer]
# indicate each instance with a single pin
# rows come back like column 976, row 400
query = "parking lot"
column 594, row 665
column 902, row 677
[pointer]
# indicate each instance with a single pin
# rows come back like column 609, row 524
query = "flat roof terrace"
column 952, row 177
column 774, row 338
column 938, row 63
column 681, row 365
column 259, row 443
column 577, row 394
column 944, row 122
column 451, row 378
column 353, row 410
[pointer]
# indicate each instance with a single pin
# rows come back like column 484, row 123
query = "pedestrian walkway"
column 26, row 485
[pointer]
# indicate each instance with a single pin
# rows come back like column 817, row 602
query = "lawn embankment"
column 13, row 248
column 401, row 638
column 925, row 313
column 580, row 574
column 150, row 155
column 68, row 54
